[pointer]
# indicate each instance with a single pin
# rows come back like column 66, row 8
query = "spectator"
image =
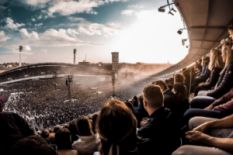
column 63, row 142
column 167, row 93
column 88, row 142
column 161, row 128
column 225, row 82
column 204, row 72
column 117, row 129
column 215, row 66
column 218, row 141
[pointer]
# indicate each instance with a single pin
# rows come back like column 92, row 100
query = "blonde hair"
column 228, row 52
column 215, row 59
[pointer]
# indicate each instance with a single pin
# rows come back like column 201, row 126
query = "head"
column 161, row 83
column 116, row 126
column 180, row 91
column 84, row 126
column 35, row 145
column 226, row 50
column 152, row 98
column 215, row 59
column 179, row 78
column 63, row 139
column 205, row 60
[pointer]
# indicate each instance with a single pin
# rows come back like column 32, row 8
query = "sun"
column 152, row 37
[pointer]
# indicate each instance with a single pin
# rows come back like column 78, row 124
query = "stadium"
column 83, row 77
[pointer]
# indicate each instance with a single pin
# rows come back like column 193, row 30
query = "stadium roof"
column 206, row 22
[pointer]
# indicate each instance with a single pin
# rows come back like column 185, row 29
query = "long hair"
column 116, row 126
column 216, row 60
column 227, row 50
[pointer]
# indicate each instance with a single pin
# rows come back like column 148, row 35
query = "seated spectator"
column 215, row 137
column 215, row 67
column 179, row 78
column 225, row 82
column 167, row 93
column 32, row 145
column 204, row 75
column 181, row 103
column 117, row 129
column 221, row 107
column 63, row 142
column 12, row 128
column 161, row 129
column 88, row 142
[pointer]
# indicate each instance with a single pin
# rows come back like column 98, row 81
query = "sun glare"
column 151, row 38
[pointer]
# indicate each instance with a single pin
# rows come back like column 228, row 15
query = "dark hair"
column 180, row 91
column 32, row 145
column 84, row 126
column 116, row 127
column 153, row 95
column 63, row 139
column 179, row 78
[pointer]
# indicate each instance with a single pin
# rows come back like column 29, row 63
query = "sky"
column 49, row 31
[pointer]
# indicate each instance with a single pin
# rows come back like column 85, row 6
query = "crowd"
column 190, row 113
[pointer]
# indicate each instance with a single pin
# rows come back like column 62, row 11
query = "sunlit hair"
column 160, row 83
column 153, row 95
column 227, row 50
column 215, row 59
column 116, row 125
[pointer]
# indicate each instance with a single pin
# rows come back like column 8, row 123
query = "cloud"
column 25, row 34
column 91, row 29
column 132, row 10
column 69, row 7
column 68, row 35
column 3, row 36
column 13, row 25
column 36, row 2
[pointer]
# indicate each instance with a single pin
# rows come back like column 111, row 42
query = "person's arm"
column 225, row 122
column 221, row 143
column 225, row 84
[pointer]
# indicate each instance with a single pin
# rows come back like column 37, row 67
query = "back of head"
column 63, row 139
column 116, row 125
column 180, row 91
column 215, row 59
column 84, row 126
column 161, row 83
column 32, row 145
column 227, row 50
column 153, row 95
column 179, row 78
